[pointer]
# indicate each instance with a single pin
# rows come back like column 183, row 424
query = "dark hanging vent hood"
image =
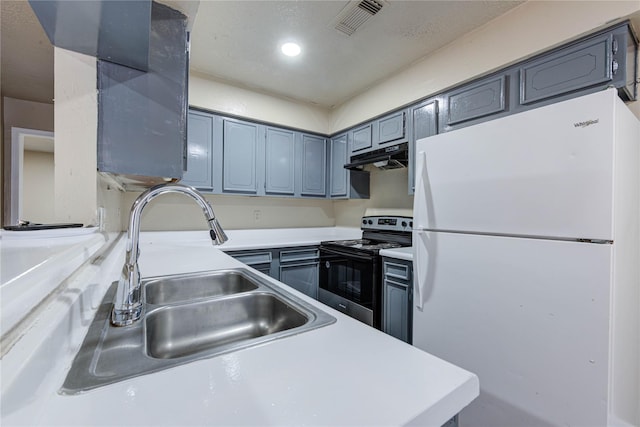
column 394, row 157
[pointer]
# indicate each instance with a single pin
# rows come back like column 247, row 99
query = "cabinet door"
column 391, row 128
column 395, row 316
column 424, row 124
column 314, row 166
column 279, row 162
column 240, row 151
column 573, row 68
column 361, row 138
column 302, row 277
column 338, row 174
column 476, row 100
column 199, row 151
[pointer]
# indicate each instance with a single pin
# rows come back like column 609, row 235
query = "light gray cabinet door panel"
column 361, row 138
column 338, row 174
column 396, row 310
column 302, row 277
column 391, row 128
column 314, row 166
column 424, row 124
column 573, row 68
column 279, row 162
column 199, row 151
column 240, row 150
column 476, row 100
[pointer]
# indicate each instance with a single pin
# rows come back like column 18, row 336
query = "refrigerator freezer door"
column 530, row 317
column 545, row 172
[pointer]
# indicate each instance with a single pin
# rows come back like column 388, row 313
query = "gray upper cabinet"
column 314, row 166
column 279, row 162
column 337, row 173
column 199, row 151
column 240, row 153
column 424, row 123
column 142, row 116
column 586, row 64
column 391, row 129
column 362, row 138
column 478, row 99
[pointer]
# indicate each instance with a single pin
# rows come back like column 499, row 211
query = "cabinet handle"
column 342, row 306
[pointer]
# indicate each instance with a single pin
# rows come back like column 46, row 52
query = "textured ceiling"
column 27, row 54
column 237, row 41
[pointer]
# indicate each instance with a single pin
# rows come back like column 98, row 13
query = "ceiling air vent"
column 355, row 14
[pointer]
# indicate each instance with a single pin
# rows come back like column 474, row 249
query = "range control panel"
column 387, row 223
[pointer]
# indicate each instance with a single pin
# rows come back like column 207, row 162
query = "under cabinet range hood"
column 393, row 157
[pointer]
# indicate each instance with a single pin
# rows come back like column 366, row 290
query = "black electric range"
column 351, row 270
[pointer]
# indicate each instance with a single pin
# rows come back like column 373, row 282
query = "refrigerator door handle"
column 422, row 263
column 420, row 211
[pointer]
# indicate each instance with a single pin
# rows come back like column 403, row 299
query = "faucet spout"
column 128, row 305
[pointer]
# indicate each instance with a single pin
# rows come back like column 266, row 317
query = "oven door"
column 349, row 283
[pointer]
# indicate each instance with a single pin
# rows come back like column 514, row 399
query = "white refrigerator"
column 526, row 252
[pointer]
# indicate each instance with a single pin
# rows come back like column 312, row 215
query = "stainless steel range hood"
column 394, row 157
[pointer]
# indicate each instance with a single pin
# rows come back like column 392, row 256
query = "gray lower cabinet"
column 397, row 296
column 239, row 154
column 424, row 124
column 199, row 151
column 313, row 168
column 280, row 162
column 260, row 259
column 299, row 268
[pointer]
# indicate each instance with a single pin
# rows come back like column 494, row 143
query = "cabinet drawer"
column 476, row 100
column 295, row 255
column 569, row 69
column 398, row 271
column 252, row 258
column 391, row 128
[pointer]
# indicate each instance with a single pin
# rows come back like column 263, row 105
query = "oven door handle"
column 345, row 254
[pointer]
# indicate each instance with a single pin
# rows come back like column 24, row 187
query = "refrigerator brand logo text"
column 585, row 124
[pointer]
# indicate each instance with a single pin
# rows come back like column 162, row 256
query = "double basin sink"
column 188, row 317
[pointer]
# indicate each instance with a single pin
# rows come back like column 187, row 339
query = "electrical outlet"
column 257, row 214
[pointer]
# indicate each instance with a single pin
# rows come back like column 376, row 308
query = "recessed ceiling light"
column 290, row 49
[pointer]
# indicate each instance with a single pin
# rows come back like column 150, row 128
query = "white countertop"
column 256, row 239
column 342, row 374
column 399, row 253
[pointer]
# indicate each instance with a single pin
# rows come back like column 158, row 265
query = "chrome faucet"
column 128, row 305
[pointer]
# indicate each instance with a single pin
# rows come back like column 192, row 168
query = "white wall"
column 177, row 212
column 389, row 189
column 214, row 95
column 37, row 187
column 528, row 29
column 76, row 123
column 22, row 114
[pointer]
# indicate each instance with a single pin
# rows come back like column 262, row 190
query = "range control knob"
column 370, row 222
column 364, row 221
column 404, row 223
column 411, row 224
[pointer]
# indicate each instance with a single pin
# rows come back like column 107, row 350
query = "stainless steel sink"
column 191, row 287
column 188, row 329
column 186, row 318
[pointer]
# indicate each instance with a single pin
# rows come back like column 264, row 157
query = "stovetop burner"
column 363, row 244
